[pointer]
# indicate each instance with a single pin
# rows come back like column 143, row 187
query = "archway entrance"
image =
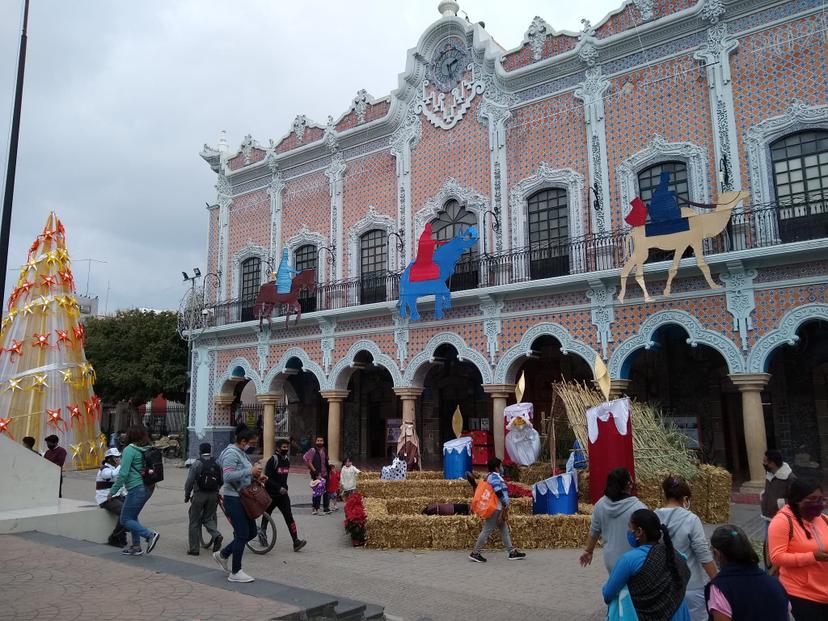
column 448, row 384
column 690, row 386
column 371, row 412
column 306, row 415
column 797, row 401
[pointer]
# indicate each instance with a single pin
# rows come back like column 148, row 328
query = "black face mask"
column 766, row 467
column 319, row 447
column 51, row 445
column 283, row 452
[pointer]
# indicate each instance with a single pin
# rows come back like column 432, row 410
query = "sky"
column 121, row 95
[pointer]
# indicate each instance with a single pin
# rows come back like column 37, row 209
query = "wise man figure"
column 424, row 267
column 664, row 203
column 285, row 273
column 408, row 446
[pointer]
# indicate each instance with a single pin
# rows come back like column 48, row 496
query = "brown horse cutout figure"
column 268, row 300
column 701, row 226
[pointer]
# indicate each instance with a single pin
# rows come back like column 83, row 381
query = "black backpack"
column 209, row 479
column 153, row 471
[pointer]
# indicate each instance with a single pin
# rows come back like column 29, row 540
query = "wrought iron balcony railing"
column 753, row 227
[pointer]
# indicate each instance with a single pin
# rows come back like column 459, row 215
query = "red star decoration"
column 13, row 296
column 25, row 286
column 49, row 234
column 67, row 278
column 41, row 340
column 53, row 417
column 34, row 247
column 16, row 348
column 59, row 228
column 80, row 333
column 74, row 410
column 4, row 425
column 63, row 336
column 49, row 281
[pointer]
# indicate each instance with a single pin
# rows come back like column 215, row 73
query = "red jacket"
column 333, row 482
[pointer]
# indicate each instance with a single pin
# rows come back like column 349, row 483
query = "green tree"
column 137, row 355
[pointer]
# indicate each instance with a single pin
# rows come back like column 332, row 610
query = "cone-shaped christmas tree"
column 45, row 380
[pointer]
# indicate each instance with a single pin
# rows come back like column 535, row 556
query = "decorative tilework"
column 306, row 202
column 372, row 113
column 290, row 142
column 249, row 220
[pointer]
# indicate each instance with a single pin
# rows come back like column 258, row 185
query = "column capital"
column 499, row 390
column 750, row 382
column 223, row 399
column 408, row 392
column 270, row 398
column 335, row 395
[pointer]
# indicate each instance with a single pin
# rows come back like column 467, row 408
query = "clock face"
column 448, row 67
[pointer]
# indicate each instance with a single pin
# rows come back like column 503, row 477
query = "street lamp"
column 400, row 243
column 495, row 225
column 331, row 256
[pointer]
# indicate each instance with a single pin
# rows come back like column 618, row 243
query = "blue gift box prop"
column 558, row 494
column 457, row 458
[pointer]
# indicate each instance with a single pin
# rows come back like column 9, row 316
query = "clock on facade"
column 448, row 67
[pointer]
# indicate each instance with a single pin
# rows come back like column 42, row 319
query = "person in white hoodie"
column 104, row 479
column 688, row 537
column 348, row 478
column 611, row 518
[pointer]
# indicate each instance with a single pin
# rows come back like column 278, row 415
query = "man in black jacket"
column 276, row 471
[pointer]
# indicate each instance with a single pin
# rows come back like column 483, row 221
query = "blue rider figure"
column 664, row 212
column 285, row 273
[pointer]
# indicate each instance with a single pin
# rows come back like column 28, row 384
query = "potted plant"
column 355, row 519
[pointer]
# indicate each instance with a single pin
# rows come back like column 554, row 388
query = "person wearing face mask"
column 778, row 478
column 653, row 572
column 105, row 477
column 316, row 459
column 237, row 473
column 741, row 590
column 57, row 455
column 276, row 470
column 498, row 519
column 798, row 545
column 688, row 537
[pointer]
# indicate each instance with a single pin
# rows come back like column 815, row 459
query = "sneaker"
column 328, row 512
column 315, row 512
column 240, row 576
column 193, row 552
column 217, row 543
column 132, row 551
column 262, row 537
column 516, row 555
column 153, row 539
column 477, row 557
column 299, row 544
column 224, row 563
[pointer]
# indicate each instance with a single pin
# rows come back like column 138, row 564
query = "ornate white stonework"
column 471, row 200
column 404, row 139
column 618, row 365
column 509, row 363
column 341, row 373
column 491, row 307
column 249, row 373
column 536, row 36
column 587, row 52
column 308, row 365
column 371, row 221
column 330, row 137
column 416, row 370
column 602, row 313
column 246, row 252
column 546, row 177
column 591, row 92
column 300, row 123
column 335, row 174
column 401, row 334
column 360, row 105
column 740, row 299
column 659, row 150
column 263, row 350
column 445, row 110
column 327, row 342
column 224, row 194
column 496, row 117
column 305, row 237
column 645, row 7
column 246, row 149
column 274, row 191
column 712, row 10
column 785, row 334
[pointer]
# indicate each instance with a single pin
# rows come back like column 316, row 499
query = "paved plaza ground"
column 40, row 581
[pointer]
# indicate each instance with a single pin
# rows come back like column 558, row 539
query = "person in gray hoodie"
column 611, row 518
column 688, row 537
column 237, row 473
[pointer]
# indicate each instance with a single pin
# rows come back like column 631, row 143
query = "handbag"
column 254, row 499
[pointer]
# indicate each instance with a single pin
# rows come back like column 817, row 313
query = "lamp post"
column 400, row 244
column 495, row 226
column 331, row 256
column 188, row 322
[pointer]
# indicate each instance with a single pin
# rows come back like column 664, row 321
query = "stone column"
column 409, row 395
column 221, row 404
column 500, row 394
column 753, row 418
column 334, row 399
column 269, row 400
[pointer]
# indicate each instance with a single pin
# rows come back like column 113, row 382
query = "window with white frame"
column 649, row 178
column 455, row 219
column 251, row 278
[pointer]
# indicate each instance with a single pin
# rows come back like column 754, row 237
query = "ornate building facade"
column 542, row 147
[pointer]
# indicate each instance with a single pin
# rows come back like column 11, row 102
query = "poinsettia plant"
column 518, row 491
column 355, row 518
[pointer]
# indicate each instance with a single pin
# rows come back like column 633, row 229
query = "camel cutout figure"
column 267, row 299
column 701, row 226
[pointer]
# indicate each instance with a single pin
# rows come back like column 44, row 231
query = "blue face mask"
column 632, row 540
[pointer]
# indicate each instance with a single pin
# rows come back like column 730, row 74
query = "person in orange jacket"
column 798, row 545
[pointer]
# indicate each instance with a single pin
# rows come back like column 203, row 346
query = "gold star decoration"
column 43, row 302
column 12, row 314
column 76, row 450
column 51, row 258
column 39, row 382
column 27, row 309
column 67, row 376
column 14, row 384
column 93, row 447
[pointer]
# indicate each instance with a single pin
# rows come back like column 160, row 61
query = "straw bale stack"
column 412, row 475
column 433, row 488
column 414, row 506
column 719, row 484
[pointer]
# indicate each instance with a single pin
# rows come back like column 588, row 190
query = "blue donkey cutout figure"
column 446, row 257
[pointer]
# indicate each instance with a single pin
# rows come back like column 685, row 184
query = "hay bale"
column 432, row 488
column 413, row 475
column 719, row 485
column 538, row 471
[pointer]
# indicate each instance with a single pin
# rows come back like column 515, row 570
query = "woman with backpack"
column 202, row 487
column 653, row 572
column 798, row 546
column 132, row 475
column 238, row 473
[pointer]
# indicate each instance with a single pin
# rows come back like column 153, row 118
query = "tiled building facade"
column 542, row 148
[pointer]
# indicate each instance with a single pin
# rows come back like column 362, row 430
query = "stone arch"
column 417, row 368
column 342, row 371
column 786, row 334
column 452, row 190
column 248, row 251
column 696, row 334
column 372, row 220
column 508, row 364
column 307, row 364
column 231, row 376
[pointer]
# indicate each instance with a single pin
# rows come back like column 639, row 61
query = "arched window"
column 306, row 258
column 800, row 178
column 454, row 219
column 373, row 265
column 251, row 281
column 648, row 180
column 548, row 217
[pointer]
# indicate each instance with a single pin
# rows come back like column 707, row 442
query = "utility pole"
column 11, row 169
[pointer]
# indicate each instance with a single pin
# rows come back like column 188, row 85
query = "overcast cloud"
column 121, row 95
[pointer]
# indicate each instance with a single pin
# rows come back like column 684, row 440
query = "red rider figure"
column 424, row 267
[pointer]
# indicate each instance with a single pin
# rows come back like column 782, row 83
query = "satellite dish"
column 193, row 315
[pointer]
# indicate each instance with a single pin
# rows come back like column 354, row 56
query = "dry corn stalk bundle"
column 433, row 488
column 657, row 448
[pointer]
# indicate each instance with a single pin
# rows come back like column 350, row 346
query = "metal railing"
column 752, row 227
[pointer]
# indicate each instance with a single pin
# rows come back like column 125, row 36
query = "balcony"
column 753, row 228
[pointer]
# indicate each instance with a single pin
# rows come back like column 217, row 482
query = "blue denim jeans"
column 244, row 529
column 135, row 500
